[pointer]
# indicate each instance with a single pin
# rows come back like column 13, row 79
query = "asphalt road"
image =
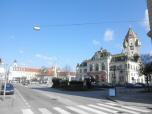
column 52, row 101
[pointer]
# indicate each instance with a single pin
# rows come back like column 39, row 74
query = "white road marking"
column 77, row 110
column 118, row 108
column 61, row 111
column 91, row 109
column 27, row 111
column 26, row 103
column 44, row 111
column 131, row 108
column 136, row 109
column 102, row 108
column 111, row 103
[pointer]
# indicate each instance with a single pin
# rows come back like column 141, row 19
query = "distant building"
column 2, row 71
column 149, row 5
column 44, row 74
column 116, row 69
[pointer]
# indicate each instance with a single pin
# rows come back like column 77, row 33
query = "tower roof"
column 130, row 34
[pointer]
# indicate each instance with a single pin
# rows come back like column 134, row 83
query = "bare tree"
column 146, row 69
column 67, row 69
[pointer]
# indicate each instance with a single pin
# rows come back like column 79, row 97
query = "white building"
column 22, row 73
column 119, row 68
column 2, row 72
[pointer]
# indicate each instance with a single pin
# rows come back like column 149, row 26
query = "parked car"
column 27, row 82
column 139, row 85
column 9, row 89
column 129, row 85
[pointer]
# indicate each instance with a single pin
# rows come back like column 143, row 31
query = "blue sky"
column 67, row 45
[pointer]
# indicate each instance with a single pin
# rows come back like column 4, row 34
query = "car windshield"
column 75, row 56
column 9, row 86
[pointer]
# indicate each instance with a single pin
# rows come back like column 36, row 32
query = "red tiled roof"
column 26, row 69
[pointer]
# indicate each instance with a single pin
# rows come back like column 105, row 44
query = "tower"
column 131, row 44
column 15, row 63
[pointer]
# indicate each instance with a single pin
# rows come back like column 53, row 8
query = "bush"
column 76, row 84
column 88, row 82
column 56, row 82
column 64, row 83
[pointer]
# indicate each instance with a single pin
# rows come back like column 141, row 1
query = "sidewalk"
column 134, row 96
column 6, row 102
column 38, row 85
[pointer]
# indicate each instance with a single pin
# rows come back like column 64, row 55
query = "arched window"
column 103, row 66
column 96, row 67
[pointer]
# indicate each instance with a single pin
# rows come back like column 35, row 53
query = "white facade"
column 2, row 72
column 119, row 68
column 22, row 73
column 97, row 67
column 16, row 74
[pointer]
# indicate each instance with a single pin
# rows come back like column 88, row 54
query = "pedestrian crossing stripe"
column 27, row 111
column 102, row 108
column 44, row 111
column 97, row 108
column 61, row 111
column 118, row 108
column 135, row 108
column 91, row 109
column 77, row 110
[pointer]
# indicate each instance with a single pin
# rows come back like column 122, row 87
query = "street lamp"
column 36, row 28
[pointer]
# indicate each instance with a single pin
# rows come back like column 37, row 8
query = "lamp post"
column 6, row 77
column 7, row 71
column 114, row 75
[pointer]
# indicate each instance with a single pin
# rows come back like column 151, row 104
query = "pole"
column 5, row 80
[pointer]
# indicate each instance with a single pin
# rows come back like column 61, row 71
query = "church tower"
column 131, row 44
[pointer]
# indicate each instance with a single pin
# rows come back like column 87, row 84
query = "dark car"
column 129, row 85
column 139, row 85
column 9, row 89
column 27, row 82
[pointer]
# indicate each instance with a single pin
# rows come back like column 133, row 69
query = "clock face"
column 132, row 47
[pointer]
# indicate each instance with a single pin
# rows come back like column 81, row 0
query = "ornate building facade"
column 116, row 69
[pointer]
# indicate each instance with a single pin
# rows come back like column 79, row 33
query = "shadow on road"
column 89, row 93
column 122, row 94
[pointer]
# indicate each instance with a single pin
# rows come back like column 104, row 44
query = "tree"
column 146, row 69
column 67, row 69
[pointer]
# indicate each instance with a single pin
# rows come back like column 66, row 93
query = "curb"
column 111, row 99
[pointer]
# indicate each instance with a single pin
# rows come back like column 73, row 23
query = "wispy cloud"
column 96, row 42
column 49, row 60
column 145, row 22
column 108, row 35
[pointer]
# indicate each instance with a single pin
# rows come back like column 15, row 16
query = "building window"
column 103, row 66
column 85, row 70
column 131, row 67
column 131, row 47
column 80, row 70
column 125, row 66
column 97, row 67
column 91, row 68
column 128, row 66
